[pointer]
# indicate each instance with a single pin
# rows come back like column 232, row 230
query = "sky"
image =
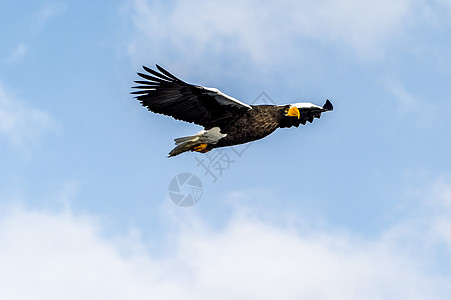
column 356, row 205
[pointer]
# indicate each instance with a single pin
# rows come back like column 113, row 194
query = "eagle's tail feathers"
column 184, row 139
column 187, row 143
column 180, row 149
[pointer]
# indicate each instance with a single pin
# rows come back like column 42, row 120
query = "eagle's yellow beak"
column 294, row 112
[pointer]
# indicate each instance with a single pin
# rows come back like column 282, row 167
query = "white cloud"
column 429, row 202
column 38, row 21
column 406, row 101
column 441, row 194
column 264, row 31
column 423, row 112
column 65, row 256
column 48, row 12
column 20, row 123
column 16, row 54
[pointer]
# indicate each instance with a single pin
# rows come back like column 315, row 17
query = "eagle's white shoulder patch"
column 225, row 99
column 305, row 105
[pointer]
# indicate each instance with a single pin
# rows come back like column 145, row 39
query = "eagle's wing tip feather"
column 328, row 105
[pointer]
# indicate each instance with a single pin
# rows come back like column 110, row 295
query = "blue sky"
column 356, row 204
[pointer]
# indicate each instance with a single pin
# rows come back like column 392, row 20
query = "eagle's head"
column 299, row 113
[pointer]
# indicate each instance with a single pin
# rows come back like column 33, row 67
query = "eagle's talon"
column 200, row 148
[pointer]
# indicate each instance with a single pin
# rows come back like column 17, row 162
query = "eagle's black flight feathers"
column 165, row 94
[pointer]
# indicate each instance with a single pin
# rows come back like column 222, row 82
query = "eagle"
column 226, row 120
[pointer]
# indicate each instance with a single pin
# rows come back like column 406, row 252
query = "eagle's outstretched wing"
column 310, row 111
column 164, row 93
column 307, row 113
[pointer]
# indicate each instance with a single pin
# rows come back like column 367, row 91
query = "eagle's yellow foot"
column 202, row 148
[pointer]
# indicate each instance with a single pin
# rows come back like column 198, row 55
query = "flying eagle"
column 226, row 120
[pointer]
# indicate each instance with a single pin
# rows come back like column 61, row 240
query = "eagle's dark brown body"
column 254, row 124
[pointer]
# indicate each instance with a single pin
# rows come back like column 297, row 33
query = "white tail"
column 211, row 136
